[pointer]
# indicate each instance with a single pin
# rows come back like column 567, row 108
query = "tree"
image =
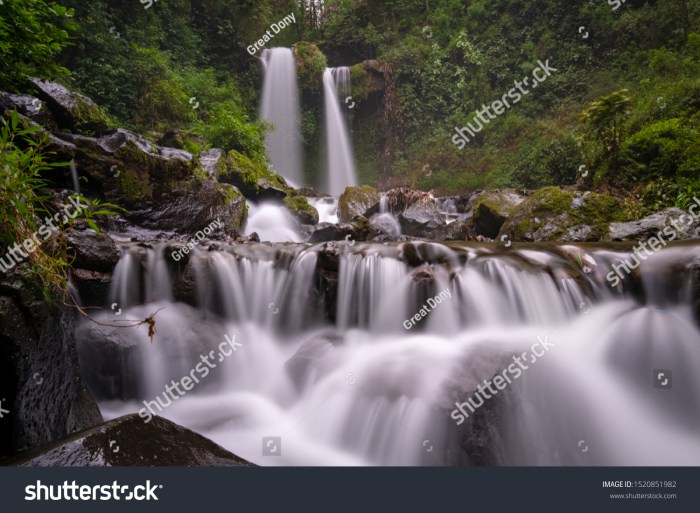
column 32, row 32
column 604, row 118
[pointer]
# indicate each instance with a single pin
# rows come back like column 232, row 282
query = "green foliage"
column 311, row 64
column 32, row 32
column 225, row 125
column 604, row 120
column 23, row 158
column 665, row 149
column 547, row 163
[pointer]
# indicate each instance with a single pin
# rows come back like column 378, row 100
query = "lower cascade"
column 406, row 353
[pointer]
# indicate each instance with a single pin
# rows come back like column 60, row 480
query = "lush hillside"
column 442, row 61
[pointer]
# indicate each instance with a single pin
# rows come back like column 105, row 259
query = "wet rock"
column 300, row 208
column 187, row 212
column 40, row 377
column 254, row 179
column 650, row 226
column 359, row 230
column 423, row 220
column 492, row 209
column 72, row 111
column 130, row 442
column 554, row 214
column 112, row 356
column 185, row 282
column 423, row 275
column 355, row 201
column 460, row 231
column 329, row 257
column 28, row 106
column 92, row 251
column 213, row 162
column 92, row 286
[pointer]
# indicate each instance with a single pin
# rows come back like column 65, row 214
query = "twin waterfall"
column 280, row 108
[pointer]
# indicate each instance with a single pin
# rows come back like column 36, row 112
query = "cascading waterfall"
column 280, row 107
column 347, row 382
column 340, row 161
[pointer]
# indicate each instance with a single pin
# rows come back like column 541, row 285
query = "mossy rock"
column 254, row 179
column 72, row 111
column 366, row 78
column 299, row 206
column 355, row 201
column 554, row 214
column 311, row 63
column 492, row 209
column 134, row 186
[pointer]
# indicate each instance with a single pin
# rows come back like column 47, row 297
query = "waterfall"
column 338, row 360
column 340, row 161
column 280, row 108
column 74, row 176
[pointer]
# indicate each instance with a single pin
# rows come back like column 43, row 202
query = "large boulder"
column 130, row 442
column 157, row 185
column 90, row 250
column 188, row 211
column 301, row 209
column 128, row 167
column 492, row 209
column 40, row 377
column 72, row 111
column 28, row 106
column 554, row 214
column 423, row 220
column 355, row 201
column 253, row 179
column 359, row 230
column 650, row 226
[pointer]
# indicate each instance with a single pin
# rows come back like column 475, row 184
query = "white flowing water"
column 340, row 162
column 272, row 223
column 74, row 176
column 280, row 107
column 327, row 209
column 363, row 385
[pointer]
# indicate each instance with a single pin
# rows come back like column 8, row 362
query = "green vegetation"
column 31, row 33
column 23, row 208
column 624, row 102
column 311, row 63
